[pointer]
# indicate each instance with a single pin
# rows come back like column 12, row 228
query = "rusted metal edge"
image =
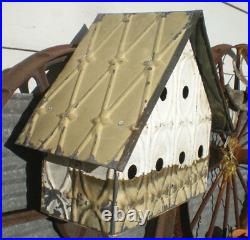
column 20, row 217
column 33, row 66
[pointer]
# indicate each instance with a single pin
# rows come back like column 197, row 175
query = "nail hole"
column 200, row 151
column 132, row 171
column 185, row 92
column 159, row 164
column 181, row 157
column 164, row 94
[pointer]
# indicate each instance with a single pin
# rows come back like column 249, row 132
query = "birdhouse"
column 126, row 125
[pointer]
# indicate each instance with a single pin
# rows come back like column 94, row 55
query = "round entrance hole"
column 181, row 157
column 164, row 94
column 185, row 92
column 159, row 164
column 200, row 151
column 132, row 171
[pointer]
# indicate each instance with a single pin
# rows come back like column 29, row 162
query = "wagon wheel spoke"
column 236, row 80
column 227, row 206
column 242, row 181
column 205, row 200
column 243, row 214
column 221, row 72
column 237, row 128
column 244, row 135
column 216, row 209
column 223, row 138
column 236, row 206
column 243, row 129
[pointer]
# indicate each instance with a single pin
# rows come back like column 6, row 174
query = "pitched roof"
column 98, row 105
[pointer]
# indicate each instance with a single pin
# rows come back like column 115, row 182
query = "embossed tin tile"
column 72, row 195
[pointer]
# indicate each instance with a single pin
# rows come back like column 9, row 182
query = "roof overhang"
column 57, row 126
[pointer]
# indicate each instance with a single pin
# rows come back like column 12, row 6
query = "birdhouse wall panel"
column 168, row 165
column 179, row 122
column 68, row 193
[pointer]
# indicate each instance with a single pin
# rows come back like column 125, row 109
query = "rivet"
column 121, row 123
column 49, row 108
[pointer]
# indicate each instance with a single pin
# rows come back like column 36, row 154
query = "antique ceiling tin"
column 168, row 165
column 127, row 122
column 96, row 109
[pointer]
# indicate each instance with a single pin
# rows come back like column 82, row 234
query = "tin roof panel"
column 97, row 101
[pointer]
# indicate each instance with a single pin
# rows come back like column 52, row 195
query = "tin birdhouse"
column 126, row 125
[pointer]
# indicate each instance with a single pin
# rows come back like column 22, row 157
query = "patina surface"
column 80, row 198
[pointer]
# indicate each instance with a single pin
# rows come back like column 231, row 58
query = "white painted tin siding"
column 176, row 124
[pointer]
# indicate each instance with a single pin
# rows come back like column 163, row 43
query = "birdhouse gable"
column 178, row 129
